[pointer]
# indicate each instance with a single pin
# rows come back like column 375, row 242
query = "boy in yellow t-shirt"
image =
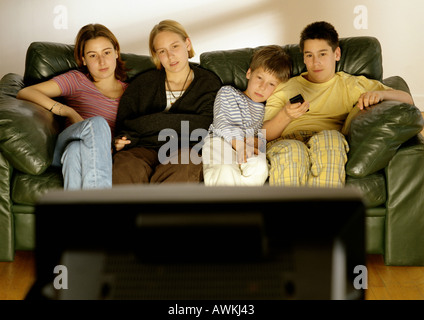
column 306, row 147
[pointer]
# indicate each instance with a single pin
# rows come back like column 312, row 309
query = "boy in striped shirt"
column 234, row 152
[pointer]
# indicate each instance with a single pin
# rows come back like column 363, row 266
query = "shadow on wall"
column 203, row 20
column 291, row 18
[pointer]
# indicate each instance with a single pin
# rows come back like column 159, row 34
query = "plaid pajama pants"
column 308, row 159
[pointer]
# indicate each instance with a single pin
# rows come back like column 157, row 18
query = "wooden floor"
column 384, row 282
column 18, row 276
column 393, row 283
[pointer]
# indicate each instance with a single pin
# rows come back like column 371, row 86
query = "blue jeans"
column 84, row 152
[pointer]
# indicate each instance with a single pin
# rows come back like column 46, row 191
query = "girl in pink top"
column 92, row 95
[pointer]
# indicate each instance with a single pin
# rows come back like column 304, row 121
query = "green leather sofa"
column 386, row 158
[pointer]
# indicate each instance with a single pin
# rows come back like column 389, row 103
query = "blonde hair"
column 171, row 26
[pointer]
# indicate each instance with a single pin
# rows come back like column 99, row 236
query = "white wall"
column 220, row 24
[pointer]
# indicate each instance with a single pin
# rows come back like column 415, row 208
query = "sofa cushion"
column 374, row 229
column 372, row 188
column 361, row 56
column 27, row 189
column 229, row 65
column 377, row 133
column 47, row 59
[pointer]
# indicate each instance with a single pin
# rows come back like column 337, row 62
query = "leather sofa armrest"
column 404, row 236
column 375, row 135
column 7, row 249
column 27, row 131
column 10, row 85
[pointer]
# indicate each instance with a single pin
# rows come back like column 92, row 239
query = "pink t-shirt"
column 81, row 94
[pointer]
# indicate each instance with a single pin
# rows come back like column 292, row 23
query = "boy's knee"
column 288, row 150
column 328, row 158
column 255, row 166
column 328, row 140
column 224, row 174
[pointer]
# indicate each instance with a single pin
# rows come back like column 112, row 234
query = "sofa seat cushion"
column 27, row 189
column 24, row 231
column 372, row 188
column 375, row 230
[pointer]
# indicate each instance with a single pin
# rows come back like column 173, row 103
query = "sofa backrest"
column 360, row 56
column 45, row 60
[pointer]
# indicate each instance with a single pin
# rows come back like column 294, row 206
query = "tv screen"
column 193, row 242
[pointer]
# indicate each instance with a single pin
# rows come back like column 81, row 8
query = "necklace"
column 182, row 89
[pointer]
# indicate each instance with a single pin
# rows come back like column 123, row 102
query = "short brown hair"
column 171, row 26
column 93, row 31
column 273, row 59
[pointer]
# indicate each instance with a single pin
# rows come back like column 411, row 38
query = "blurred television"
column 193, row 242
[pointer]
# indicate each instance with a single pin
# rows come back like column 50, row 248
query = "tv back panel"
column 192, row 242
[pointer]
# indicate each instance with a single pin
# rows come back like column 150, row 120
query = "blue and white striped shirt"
column 236, row 116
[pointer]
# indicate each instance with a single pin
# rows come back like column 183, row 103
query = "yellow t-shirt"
column 329, row 102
